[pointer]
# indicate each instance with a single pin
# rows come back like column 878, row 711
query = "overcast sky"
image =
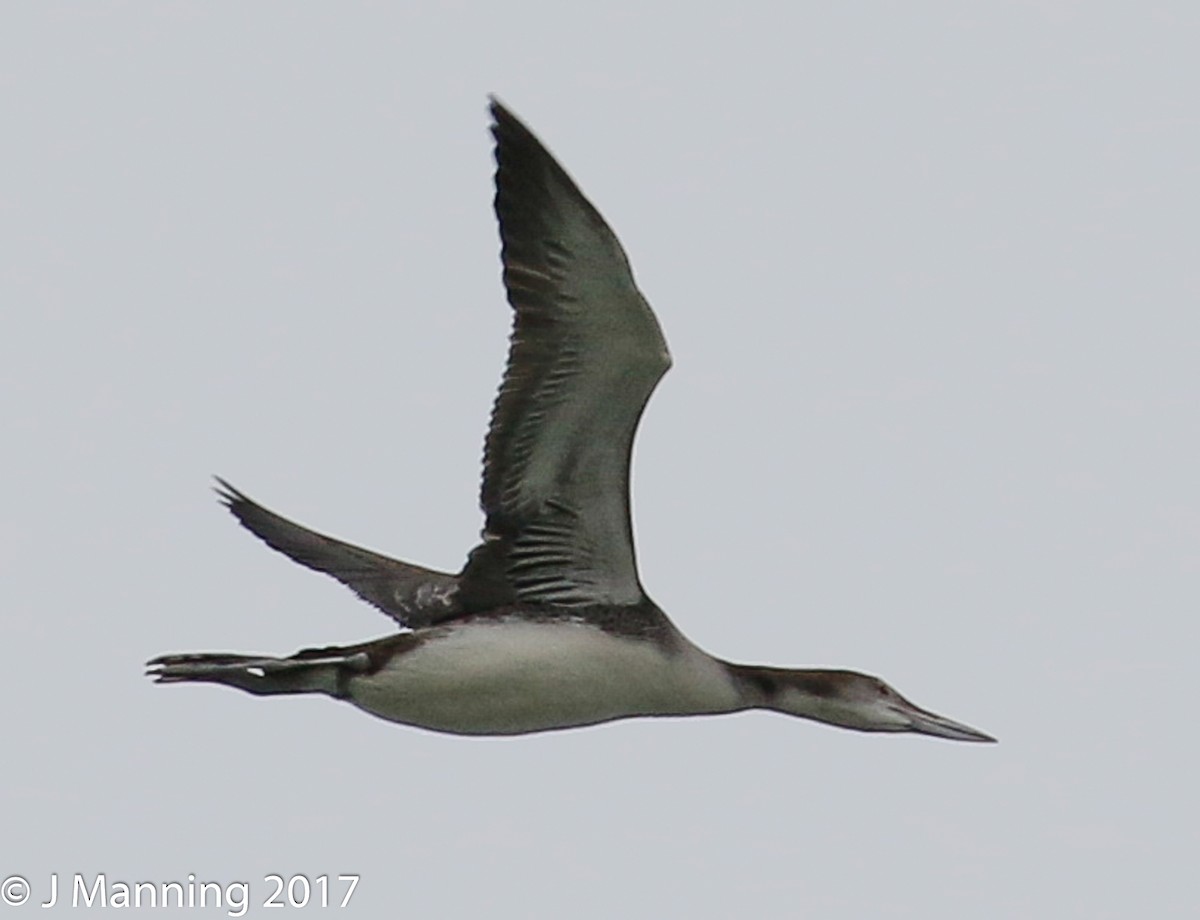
column 928, row 273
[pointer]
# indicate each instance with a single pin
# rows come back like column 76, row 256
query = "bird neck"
column 816, row 694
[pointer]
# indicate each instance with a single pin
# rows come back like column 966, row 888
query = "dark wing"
column 586, row 353
column 410, row 594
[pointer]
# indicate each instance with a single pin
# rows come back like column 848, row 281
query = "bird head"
column 847, row 699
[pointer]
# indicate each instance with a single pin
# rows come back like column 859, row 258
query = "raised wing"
column 410, row 594
column 586, row 352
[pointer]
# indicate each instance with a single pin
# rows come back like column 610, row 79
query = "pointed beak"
column 929, row 723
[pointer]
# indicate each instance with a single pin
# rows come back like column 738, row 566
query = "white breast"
column 512, row 676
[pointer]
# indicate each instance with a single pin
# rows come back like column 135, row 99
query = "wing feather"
column 586, row 353
column 410, row 594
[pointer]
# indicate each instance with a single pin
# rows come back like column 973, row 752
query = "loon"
column 547, row 626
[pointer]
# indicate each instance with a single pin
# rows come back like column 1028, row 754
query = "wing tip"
column 511, row 134
column 501, row 113
column 227, row 494
column 239, row 504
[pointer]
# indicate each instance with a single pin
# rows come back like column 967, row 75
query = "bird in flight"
column 547, row 626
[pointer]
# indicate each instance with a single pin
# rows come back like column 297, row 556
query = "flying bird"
column 547, row 626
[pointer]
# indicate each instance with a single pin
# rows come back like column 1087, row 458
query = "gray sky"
column 929, row 276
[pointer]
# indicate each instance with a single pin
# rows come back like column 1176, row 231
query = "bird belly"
column 510, row 677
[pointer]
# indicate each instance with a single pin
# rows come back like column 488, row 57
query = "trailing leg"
column 310, row 671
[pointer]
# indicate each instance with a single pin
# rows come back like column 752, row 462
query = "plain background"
column 928, row 272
